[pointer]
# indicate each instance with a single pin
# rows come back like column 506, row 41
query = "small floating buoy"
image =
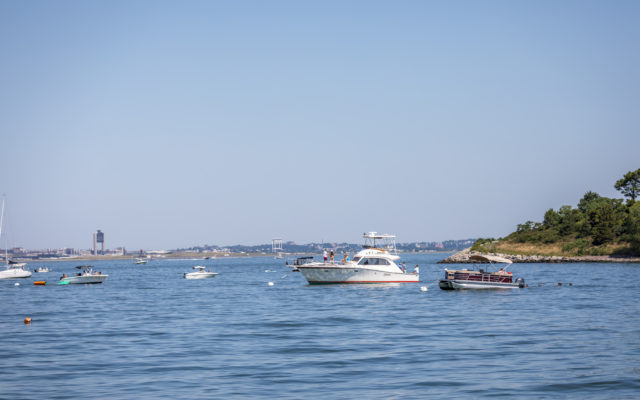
column 40, row 283
column 539, row 284
column 527, row 285
column 559, row 283
column 16, row 284
column 423, row 288
column 570, row 284
column 270, row 283
column 27, row 320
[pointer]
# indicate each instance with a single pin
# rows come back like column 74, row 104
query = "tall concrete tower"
column 98, row 237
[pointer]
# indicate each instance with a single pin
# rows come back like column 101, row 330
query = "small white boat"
column 42, row 269
column 200, row 273
column 86, row 276
column 140, row 261
column 373, row 264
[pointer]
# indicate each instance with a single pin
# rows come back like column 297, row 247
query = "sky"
column 172, row 124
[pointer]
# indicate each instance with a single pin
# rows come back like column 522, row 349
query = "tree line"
column 596, row 221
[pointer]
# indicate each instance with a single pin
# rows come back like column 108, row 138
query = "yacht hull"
column 331, row 273
column 14, row 273
column 200, row 275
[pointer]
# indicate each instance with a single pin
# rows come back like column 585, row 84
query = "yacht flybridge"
column 375, row 263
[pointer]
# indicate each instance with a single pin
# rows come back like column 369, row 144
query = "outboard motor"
column 520, row 282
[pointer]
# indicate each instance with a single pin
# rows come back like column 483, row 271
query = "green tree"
column 632, row 227
column 571, row 220
column 527, row 226
column 606, row 218
column 629, row 185
column 551, row 219
column 588, row 198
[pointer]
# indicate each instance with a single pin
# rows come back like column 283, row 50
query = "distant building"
column 98, row 237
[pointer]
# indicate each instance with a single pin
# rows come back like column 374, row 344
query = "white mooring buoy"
column 270, row 283
column 16, row 284
column 423, row 288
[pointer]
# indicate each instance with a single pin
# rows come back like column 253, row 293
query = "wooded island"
column 598, row 226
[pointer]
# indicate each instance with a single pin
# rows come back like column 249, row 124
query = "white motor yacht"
column 375, row 263
column 140, row 261
column 86, row 276
column 42, row 269
column 200, row 273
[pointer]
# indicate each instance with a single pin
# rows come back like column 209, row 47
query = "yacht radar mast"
column 383, row 241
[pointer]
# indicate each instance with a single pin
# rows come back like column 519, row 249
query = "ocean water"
column 148, row 333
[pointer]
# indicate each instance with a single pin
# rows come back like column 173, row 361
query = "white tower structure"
column 276, row 245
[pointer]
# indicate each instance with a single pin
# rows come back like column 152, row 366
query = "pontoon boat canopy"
column 489, row 259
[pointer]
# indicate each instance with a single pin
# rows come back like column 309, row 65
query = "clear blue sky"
column 170, row 123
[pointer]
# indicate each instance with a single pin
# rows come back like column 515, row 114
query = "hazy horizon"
column 171, row 124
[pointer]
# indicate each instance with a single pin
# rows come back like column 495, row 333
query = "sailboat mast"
column 2, row 216
column 6, row 254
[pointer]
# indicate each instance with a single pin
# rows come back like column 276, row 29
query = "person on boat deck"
column 502, row 271
column 345, row 258
column 63, row 276
column 416, row 269
column 324, row 254
column 331, row 256
column 404, row 268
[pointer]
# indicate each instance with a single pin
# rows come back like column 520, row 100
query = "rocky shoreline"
column 462, row 257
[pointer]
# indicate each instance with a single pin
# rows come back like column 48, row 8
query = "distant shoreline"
column 187, row 255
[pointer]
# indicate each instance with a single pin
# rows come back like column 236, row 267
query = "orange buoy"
column 40, row 283
column 27, row 320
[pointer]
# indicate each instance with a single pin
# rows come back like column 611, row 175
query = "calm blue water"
column 148, row 333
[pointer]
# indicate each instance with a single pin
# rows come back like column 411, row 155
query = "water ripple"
column 160, row 336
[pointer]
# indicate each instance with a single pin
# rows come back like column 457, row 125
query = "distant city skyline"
column 169, row 124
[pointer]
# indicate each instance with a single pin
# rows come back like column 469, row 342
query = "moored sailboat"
column 13, row 269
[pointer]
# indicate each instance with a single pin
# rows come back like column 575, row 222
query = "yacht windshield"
column 373, row 261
